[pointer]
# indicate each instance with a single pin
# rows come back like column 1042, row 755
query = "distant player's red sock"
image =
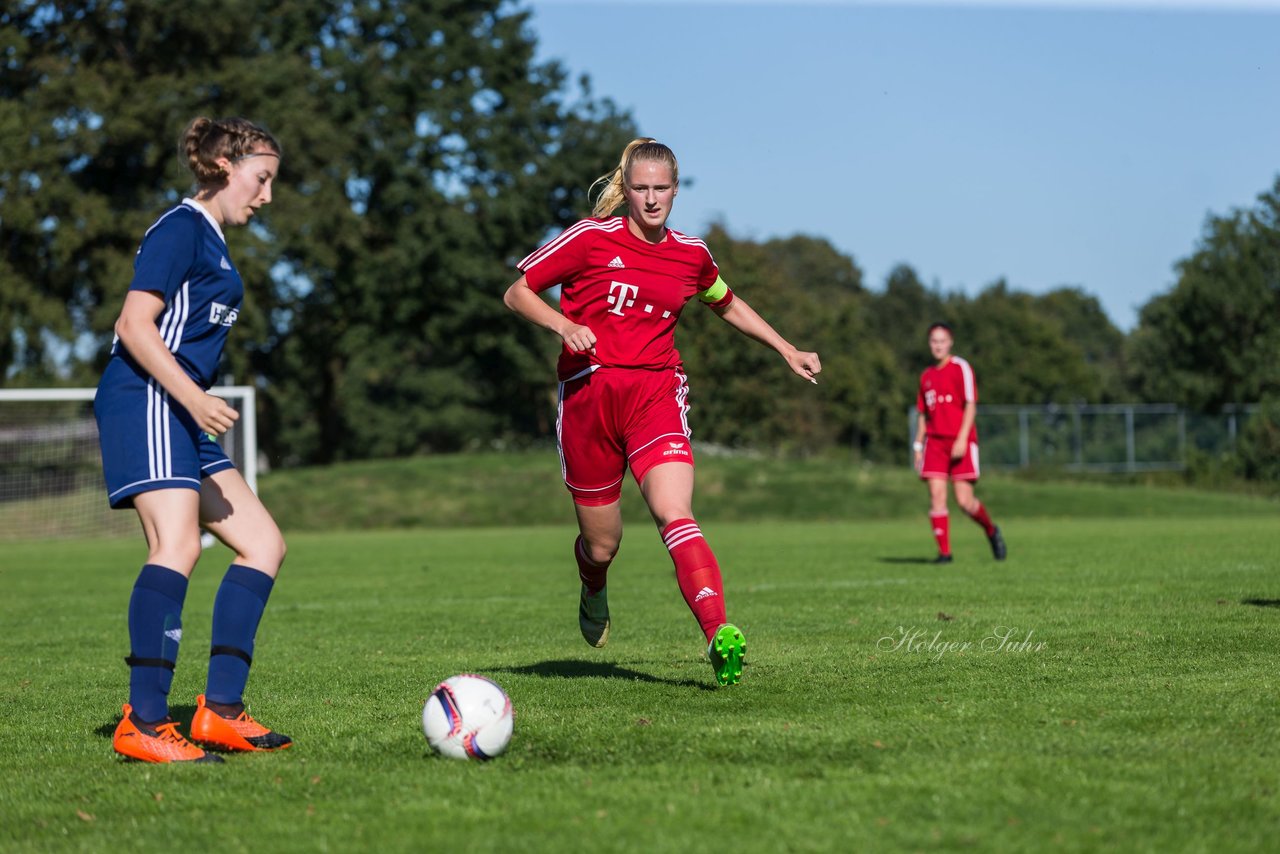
column 980, row 516
column 697, row 573
column 591, row 573
column 941, row 524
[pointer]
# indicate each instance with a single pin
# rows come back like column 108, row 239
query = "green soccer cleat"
column 593, row 617
column 727, row 651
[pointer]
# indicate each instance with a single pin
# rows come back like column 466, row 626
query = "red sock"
column 980, row 516
column 591, row 573
column 941, row 524
column 697, row 573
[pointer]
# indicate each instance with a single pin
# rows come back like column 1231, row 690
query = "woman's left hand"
column 807, row 365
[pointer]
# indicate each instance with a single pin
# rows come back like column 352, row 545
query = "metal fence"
column 1114, row 437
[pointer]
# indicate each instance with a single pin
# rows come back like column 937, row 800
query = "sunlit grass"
column 1130, row 707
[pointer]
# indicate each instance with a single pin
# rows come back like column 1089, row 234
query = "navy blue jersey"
column 183, row 258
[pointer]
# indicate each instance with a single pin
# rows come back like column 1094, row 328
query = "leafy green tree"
column 900, row 316
column 744, row 395
column 1214, row 339
column 425, row 151
column 1019, row 354
column 1055, row 348
column 1259, row 446
column 1085, row 325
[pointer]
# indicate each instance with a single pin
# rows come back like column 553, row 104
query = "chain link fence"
column 1113, row 437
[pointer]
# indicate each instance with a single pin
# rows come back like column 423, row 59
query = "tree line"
column 426, row 150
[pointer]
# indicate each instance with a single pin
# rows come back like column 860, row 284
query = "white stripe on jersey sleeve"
column 970, row 387
column 581, row 227
column 693, row 241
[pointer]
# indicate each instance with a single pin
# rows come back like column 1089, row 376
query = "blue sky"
column 1046, row 143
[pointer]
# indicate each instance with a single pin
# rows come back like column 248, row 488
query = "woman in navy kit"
column 156, row 422
column 623, row 390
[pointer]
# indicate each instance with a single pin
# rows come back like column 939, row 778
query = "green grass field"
column 1130, row 706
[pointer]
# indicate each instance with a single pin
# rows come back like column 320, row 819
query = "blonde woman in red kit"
column 622, row 404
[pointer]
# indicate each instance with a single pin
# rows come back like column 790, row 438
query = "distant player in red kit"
column 623, row 392
column 946, row 443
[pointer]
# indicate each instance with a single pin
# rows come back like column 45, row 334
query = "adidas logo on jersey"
column 224, row 264
column 705, row 593
column 617, row 262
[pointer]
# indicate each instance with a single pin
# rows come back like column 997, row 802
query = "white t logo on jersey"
column 621, row 296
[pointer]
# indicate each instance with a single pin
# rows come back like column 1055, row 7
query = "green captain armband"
column 715, row 293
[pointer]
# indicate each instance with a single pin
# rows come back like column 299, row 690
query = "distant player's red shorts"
column 612, row 418
column 936, row 461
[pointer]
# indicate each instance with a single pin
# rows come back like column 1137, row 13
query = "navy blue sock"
column 241, row 599
column 155, row 630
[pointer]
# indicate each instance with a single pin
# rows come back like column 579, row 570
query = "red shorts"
column 936, row 461
column 615, row 417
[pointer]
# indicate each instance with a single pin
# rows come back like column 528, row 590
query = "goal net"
column 51, row 470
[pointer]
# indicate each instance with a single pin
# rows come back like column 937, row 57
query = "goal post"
column 51, row 468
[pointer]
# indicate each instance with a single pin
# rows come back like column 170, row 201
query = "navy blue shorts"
column 148, row 441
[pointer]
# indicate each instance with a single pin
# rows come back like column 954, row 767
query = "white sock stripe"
column 697, row 535
column 683, row 535
column 683, row 529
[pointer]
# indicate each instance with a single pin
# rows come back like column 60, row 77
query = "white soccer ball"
column 468, row 717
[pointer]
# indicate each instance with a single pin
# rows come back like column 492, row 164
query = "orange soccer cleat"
column 241, row 732
column 159, row 742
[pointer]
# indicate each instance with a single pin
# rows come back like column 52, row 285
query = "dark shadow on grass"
column 577, row 669
column 1261, row 603
column 905, row 559
column 181, row 714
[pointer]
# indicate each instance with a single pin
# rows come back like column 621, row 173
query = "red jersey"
column 628, row 291
column 943, row 393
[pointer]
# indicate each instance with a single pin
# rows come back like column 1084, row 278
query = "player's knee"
column 602, row 549
column 266, row 553
column 179, row 554
column 664, row 516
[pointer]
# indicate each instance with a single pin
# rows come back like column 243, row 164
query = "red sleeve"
column 561, row 259
column 920, row 395
column 709, row 273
